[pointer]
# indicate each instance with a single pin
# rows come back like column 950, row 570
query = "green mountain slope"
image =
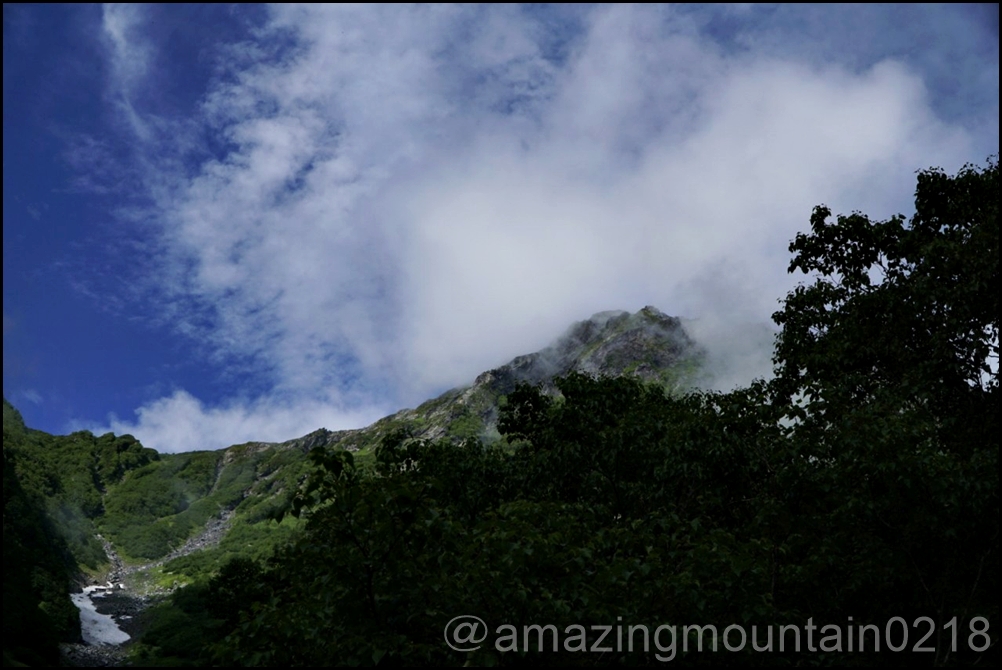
column 70, row 477
column 38, row 565
column 152, row 506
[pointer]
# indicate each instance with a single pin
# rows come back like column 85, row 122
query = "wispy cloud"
column 31, row 395
column 129, row 57
column 409, row 196
column 180, row 422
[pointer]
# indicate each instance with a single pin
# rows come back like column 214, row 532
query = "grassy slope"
column 145, row 503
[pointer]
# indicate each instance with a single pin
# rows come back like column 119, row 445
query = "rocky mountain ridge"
column 647, row 344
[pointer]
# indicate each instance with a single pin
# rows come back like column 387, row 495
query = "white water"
column 96, row 628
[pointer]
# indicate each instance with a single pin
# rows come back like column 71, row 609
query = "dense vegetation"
column 69, row 475
column 61, row 492
column 160, row 505
column 53, row 492
column 861, row 484
column 37, row 565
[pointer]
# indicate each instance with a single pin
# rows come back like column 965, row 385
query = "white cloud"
column 31, row 395
column 180, row 422
column 417, row 194
column 129, row 58
column 122, row 25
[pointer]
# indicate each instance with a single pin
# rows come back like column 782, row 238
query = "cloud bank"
column 398, row 198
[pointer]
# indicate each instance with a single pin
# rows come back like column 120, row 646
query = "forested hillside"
column 37, row 567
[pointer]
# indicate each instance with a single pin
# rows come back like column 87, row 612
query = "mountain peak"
column 648, row 344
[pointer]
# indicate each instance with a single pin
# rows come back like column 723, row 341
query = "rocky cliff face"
column 648, row 344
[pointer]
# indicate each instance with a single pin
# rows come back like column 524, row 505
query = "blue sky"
column 225, row 224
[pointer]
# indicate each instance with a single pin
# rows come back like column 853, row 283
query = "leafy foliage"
column 61, row 490
column 69, row 476
column 888, row 366
column 37, row 611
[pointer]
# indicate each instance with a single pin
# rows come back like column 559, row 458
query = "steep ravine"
column 109, row 611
